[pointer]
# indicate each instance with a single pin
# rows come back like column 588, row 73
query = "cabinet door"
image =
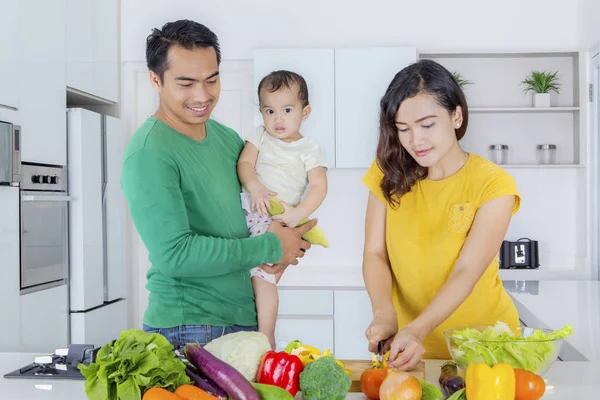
column 42, row 83
column 9, row 56
column 80, row 44
column 317, row 68
column 361, row 79
column 312, row 331
column 106, row 38
column 352, row 316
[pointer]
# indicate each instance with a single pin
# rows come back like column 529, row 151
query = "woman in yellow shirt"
column 436, row 218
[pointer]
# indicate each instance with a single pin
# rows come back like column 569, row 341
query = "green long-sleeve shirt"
column 184, row 198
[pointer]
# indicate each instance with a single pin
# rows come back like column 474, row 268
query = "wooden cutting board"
column 358, row 366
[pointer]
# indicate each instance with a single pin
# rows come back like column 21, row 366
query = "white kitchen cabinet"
column 317, row 68
column 305, row 302
column 9, row 56
column 9, row 284
column 92, row 47
column 80, row 45
column 44, row 319
column 106, row 40
column 42, row 80
column 317, row 332
column 352, row 316
column 361, row 79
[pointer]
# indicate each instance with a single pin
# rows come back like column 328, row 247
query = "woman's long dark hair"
column 400, row 170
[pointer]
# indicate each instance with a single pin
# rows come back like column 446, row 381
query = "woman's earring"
column 457, row 125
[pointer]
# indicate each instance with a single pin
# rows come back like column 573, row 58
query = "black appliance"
column 522, row 254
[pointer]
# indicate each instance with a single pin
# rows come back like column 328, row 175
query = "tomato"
column 400, row 385
column 370, row 381
column 528, row 386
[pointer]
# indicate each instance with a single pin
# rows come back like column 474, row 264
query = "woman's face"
column 426, row 129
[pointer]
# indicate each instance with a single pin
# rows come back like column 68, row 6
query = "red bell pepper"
column 281, row 369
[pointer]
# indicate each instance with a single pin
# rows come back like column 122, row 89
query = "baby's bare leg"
column 267, row 304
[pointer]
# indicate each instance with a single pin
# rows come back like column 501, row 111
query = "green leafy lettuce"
column 126, row 368
column 499, row 344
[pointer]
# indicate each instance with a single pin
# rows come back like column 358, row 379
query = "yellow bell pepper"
column 485, row 383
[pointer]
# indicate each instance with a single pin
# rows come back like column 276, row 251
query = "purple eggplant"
column 204, row 383
column 222, row 374
column 450, row 381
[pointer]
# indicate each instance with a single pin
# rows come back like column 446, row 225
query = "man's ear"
column 155, row 81
column 306, row 112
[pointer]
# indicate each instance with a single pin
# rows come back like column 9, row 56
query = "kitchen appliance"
column 10, row 154
column 522, row 254
column 98, row 308
column 44, row 227
column 60, row 365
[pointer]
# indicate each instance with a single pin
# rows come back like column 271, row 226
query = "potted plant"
column 541, row 83
column 461, row 82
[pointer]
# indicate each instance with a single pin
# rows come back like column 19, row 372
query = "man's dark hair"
column 185, row 33
column 285, row 79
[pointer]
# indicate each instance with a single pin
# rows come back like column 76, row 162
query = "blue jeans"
column 179, row 336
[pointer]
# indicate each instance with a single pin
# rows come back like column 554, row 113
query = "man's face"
column 190, row 86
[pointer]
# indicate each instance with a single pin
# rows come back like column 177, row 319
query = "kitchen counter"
column 541, row 304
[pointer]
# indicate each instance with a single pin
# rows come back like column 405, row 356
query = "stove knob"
column 54, row 180
column 46, row 179
column 35, row 178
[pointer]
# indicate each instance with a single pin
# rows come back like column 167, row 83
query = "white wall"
column 431, row 25
column 589, row 23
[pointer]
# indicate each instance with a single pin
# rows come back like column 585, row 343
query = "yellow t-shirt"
column 424, row 237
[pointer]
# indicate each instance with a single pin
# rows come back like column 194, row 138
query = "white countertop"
column 548, row 303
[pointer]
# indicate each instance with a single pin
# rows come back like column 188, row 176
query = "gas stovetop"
column 60, row 365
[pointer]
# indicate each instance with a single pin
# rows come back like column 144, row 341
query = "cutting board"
column 358, row 366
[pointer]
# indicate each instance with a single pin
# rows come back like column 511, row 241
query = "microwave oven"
column 10, row 154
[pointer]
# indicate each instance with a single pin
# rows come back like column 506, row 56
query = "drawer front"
column 305, row 302
column 312, row 332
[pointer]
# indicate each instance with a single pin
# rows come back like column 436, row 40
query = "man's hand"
column 292, row 244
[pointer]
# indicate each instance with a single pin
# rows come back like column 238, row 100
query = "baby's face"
column 283, row 113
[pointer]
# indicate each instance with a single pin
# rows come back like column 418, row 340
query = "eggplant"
column 204, row 383
column 222, row 374
column 450, row 381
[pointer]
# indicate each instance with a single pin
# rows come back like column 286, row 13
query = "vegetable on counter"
column 400, row 385
column 270, row 392
column 450, row 381
column 458, row 395
column 129, row 366
column 372, row 378
column 222, row 374
column 528, row 386
column 324, row 379
column 242, row 350
column 490, row 383
column 183, row 392
column 308, row 354
column 281, row 369
column 430, row 392
column 204, row 383
column 158, row 393
column 498, row 344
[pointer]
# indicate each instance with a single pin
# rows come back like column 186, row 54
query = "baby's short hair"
column 285, row 79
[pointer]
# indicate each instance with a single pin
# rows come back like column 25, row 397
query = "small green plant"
column 541, row 82
column 461, row 82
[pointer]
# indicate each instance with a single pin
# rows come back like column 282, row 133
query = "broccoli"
column 324, row 379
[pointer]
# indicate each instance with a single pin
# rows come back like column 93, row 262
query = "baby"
column 278, row 162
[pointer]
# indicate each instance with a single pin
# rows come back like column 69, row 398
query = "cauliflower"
column 324, row 379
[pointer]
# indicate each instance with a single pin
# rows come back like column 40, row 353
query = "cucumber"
column 220, row 373
column 271, row 392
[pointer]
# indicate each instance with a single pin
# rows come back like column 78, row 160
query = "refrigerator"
column 97, row 300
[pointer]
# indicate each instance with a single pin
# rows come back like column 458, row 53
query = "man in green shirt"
column 180, row 180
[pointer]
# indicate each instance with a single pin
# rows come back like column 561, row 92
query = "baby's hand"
column 260, row 199
column 291, row 216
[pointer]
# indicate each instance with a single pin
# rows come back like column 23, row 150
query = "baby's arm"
column 317, row 180
column 246, row 169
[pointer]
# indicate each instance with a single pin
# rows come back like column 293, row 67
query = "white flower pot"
column 541, row 100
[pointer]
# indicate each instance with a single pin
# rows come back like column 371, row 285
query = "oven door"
column 44, row 240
